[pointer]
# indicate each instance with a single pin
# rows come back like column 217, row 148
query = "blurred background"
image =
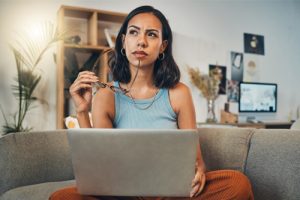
column 205, row 33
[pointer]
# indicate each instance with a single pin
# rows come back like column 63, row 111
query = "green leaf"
column 28, row 53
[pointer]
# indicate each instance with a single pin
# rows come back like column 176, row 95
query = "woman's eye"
column 133, row 32
column 151, row 34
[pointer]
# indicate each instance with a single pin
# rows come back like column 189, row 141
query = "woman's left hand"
column 198, row 183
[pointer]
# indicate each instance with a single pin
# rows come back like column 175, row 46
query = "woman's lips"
column 140, row 54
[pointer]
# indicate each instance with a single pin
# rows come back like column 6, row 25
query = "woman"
column 146, row 93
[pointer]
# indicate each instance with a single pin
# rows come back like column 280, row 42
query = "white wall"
column 204, row 33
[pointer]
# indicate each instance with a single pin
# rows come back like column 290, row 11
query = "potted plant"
column 209, row 88
column 28, row 53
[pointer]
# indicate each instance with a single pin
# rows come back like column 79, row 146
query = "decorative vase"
column 211, row 116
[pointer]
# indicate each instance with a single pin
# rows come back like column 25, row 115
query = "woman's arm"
column 186, row 114
column 81, row 93
column 184, row 107
column 103, row 108
column 182, row 103
column 103, row 102
column 83, row 119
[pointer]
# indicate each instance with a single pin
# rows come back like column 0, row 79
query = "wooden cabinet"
column 86, row 41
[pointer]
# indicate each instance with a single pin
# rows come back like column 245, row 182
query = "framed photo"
column 222, row 85
column 251, row 68
column 237, row 66
column 232, row 91
column 254, row 44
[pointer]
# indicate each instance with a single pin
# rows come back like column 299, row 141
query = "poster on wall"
column 251, row 71
column 237, row 66
column 254, row 44
column 233, row 91
column 222, row 85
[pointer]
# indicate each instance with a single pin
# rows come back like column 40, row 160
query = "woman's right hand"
column 81, row 90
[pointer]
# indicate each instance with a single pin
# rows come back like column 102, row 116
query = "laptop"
column 133, row 162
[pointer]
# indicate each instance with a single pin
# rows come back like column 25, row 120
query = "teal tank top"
column 160, row 115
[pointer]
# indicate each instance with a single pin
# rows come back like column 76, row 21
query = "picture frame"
column 223, row 82
column 254, row 44
column 237, row 66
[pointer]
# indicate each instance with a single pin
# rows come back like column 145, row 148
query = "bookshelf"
column 87, row 25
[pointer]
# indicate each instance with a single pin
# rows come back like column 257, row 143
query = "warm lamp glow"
column 35, row 33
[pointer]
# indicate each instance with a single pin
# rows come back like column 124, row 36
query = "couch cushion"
column 34, row 157
column 225, row 148
column 38, row 191
column 273, row 164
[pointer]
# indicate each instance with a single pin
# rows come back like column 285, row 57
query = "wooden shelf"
column 87, row 48
column 88, row 24
column 86, row 13
column 77, row 12
column 110, row 17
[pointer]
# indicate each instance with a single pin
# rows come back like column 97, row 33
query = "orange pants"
column 220, row 185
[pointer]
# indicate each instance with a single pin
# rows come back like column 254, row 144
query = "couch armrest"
column 34, row 157
column 273, row 164
column 225, row 148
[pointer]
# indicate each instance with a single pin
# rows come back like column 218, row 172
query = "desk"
column 266, row 125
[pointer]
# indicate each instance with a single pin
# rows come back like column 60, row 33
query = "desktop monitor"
column 258, row 97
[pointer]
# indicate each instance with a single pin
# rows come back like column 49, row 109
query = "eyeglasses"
column 113, row 88
column 104, row 85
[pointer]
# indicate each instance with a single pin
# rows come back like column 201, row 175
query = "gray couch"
column 33, row 165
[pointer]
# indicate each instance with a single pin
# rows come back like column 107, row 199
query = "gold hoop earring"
column 123, row 52
column 161, row 56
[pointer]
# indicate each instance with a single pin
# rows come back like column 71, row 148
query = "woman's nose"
column 142, row 42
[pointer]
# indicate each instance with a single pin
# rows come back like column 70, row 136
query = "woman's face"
column 143, row 40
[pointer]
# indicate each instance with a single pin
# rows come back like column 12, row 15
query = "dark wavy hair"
column 166, row 73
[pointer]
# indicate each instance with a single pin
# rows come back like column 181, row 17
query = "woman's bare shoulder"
column 104, row 91
column 180, row 89
column 103, row 100
column 179, row 95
